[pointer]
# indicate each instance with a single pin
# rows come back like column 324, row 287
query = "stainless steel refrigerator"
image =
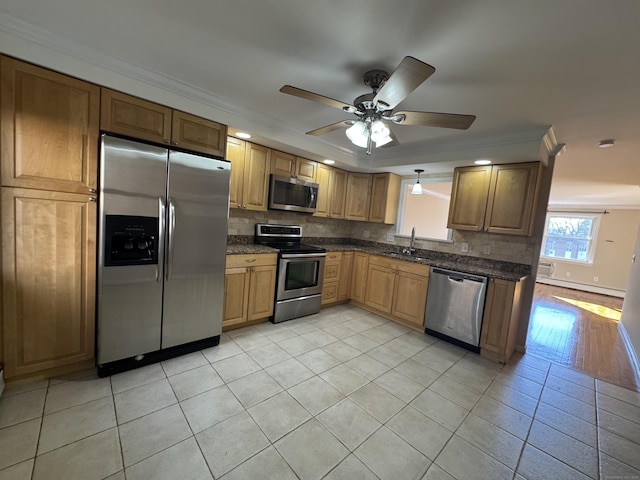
column 163, row 235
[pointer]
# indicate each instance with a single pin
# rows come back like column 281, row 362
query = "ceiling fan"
column 372, row 109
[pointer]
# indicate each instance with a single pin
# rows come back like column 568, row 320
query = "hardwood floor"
column 581, row 330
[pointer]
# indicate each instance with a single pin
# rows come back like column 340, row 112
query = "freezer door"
column 197, row 214
column 132, row 196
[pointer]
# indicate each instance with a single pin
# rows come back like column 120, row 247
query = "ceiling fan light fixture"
column 417, row 188
column 379, row 131
column 383, row 141
column 358, row 134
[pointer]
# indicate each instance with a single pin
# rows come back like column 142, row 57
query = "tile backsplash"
column 508, row 248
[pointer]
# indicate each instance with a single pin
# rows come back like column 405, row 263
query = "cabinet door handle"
column 175, row 143
column 166, row 140
column 92, row 199
column 92, row 190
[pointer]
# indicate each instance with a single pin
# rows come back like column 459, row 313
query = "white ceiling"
column 520, row 67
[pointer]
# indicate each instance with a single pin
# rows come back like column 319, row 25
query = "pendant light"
column 417, row 188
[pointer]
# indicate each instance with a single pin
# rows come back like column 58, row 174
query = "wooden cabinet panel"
column 323, row 179
column 338, row 189
column 469, row 198
column 305, row 169
column 261, row 292
column 344, row 288
column 497, row 199
column 282, row 164
column 249, row 288
column 410, row 297
column 385, row 193
column 358, row 194
column 49, row 129
column 250, row 166
column 134, row 117
column 48, row 263
column 235, row 154
column 359, row 276
column 512, row 193
column 198, row 134
column 500, row 319
column 380, row 287
column 329, row 293
column 236, row 296
column 255, row 187
column 332, row 272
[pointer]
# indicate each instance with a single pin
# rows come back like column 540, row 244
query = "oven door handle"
column 302, row 255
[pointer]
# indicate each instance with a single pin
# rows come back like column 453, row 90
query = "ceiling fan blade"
column 431, row 119
column 404, row 80
column 331, row 128
column 298, row 92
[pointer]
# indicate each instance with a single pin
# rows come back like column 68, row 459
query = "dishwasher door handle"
column 456, row 279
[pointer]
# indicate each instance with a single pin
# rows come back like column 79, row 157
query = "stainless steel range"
column 300, row 271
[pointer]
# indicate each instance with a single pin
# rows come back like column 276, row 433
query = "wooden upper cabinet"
column 323, row 179
column 512, row 196
column 235, row 154
column 338, row 189
column 255, row 183
column 283, row 164
column 49, row 129
column 198, row 134
column 48, row 264
column 134, row 117
column 497, row 199
column 358, row 194
column 250, row 167
column 332, row 191
column 385, row 192
column 469, row 198
column 287, row 165
column 306, row 169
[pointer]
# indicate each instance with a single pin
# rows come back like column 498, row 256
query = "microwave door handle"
column 312, row 196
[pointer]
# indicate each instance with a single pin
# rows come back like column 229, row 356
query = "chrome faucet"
column 410, row 250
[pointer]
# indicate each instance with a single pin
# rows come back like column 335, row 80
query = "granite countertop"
column 479, row 266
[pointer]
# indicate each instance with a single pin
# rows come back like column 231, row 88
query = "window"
column 427, row 212
column 570, row 237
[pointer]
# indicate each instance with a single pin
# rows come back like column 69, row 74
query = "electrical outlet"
column 465, row 248
column 487, row 249
column 595, row 279
column 390, row 237
column 567, row 274
column 365, row 233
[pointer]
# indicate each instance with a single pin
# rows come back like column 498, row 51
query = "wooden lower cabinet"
column 49, row 274
column 359, row 276
column 500, row 320
column 336, row 283
column 397, row 288
column 249, row 289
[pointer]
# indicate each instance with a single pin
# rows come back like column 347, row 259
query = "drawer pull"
column 250, row 260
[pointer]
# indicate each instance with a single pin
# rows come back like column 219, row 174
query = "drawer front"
column 235, row 261
column 334, row 256
column 393, row 264
column 329, row 293
column 331, row 272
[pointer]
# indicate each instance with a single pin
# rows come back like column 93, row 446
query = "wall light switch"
column 595, row 279
column 487, row 249
column 567, row 274
column 390, row 237
column 465, row 248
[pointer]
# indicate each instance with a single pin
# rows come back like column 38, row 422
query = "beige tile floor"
column 343, row 394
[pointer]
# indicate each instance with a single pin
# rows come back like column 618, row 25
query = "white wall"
column 611, row 259
column 631, row 307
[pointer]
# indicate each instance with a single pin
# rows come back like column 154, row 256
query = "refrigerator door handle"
column 161, row 222
column 170, row 238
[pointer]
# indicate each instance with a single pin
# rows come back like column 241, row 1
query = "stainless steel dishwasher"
column 455, row 304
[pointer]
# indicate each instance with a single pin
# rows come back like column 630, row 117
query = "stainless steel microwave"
column 288, row 193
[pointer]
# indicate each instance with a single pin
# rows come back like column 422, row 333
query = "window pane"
column 569, row 237
column 427, row 212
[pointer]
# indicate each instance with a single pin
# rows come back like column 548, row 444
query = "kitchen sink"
column 402, row 256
